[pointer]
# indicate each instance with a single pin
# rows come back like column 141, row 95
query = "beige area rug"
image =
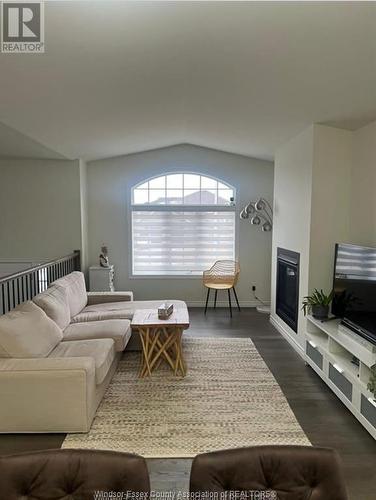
column 228, row 399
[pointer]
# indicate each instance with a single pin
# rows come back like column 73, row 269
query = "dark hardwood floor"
column 323, row 417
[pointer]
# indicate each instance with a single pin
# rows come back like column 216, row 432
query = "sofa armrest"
column 82, row 364
column 103, row 297
column 46, row 394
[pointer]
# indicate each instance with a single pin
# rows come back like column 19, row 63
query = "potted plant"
column 317, row 303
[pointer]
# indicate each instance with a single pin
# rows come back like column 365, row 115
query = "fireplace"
column 287, row 300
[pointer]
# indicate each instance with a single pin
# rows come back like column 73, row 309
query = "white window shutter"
column 172, row 242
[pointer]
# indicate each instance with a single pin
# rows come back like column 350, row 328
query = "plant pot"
column 320, row 312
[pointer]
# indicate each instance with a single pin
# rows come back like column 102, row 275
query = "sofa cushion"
column 120, row 310
column 27, row 332
column 74, row 284
column 119, row 330
column 101, row 350
column 54, row 302
column 102, row 315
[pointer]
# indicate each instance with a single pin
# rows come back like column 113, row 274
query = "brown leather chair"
column 292, row 472
column 73, row 474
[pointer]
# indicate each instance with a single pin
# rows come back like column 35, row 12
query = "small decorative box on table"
column 161, row 339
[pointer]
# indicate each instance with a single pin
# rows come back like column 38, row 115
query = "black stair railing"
column 24, row 285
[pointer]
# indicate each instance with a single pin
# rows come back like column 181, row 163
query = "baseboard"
column 284, row 332
column 224, row 303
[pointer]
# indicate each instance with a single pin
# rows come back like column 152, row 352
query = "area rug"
column 228, row 399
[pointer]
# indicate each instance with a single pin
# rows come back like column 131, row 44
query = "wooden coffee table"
column 161, row 339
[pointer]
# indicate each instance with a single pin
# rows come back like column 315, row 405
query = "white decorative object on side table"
column 101, row 279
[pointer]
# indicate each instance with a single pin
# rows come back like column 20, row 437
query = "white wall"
column 109, row 184
column 39, row 209
column 11, row 266
column 312, row 206
column 363, row 186
column 292, row 213
column 330, row 201
column 84, row 216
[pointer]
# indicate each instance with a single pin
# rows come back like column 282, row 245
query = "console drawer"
column 368, row 410
column 314, row 354
column 340, row 381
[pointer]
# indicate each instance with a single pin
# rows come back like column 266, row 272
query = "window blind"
column 168, row 242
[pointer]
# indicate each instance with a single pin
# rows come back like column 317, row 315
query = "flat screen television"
column 355, row 289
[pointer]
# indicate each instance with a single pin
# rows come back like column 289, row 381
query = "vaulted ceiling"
column 120, row 77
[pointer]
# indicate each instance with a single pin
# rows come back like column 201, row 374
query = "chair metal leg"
column 207, row 300
column 215, row 299
column 229, row 301
column 236, row 298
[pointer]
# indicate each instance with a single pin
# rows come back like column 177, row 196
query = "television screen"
column 355, row 288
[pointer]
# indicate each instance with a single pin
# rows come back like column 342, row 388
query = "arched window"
column 181, row 224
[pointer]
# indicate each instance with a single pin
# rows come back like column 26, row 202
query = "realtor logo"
column 22, row 27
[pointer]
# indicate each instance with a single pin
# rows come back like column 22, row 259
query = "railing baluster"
column 23, row 288
column 8, row 295
column 18, row 291
column 13, row 294
column 27, row 282
column 3, row 297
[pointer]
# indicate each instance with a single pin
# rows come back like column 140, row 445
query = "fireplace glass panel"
column 288, row 287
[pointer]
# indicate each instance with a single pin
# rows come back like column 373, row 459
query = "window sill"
column 165, row 276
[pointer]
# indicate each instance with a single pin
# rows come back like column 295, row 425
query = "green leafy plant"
column 317, row 298
column 371, row 386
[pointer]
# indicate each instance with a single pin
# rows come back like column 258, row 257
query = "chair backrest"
column 71, row 473
column 223, row 271
column 292, row 472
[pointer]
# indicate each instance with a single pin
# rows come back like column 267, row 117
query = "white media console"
column 329, row 350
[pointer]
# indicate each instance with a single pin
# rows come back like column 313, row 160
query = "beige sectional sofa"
column 59, row 353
